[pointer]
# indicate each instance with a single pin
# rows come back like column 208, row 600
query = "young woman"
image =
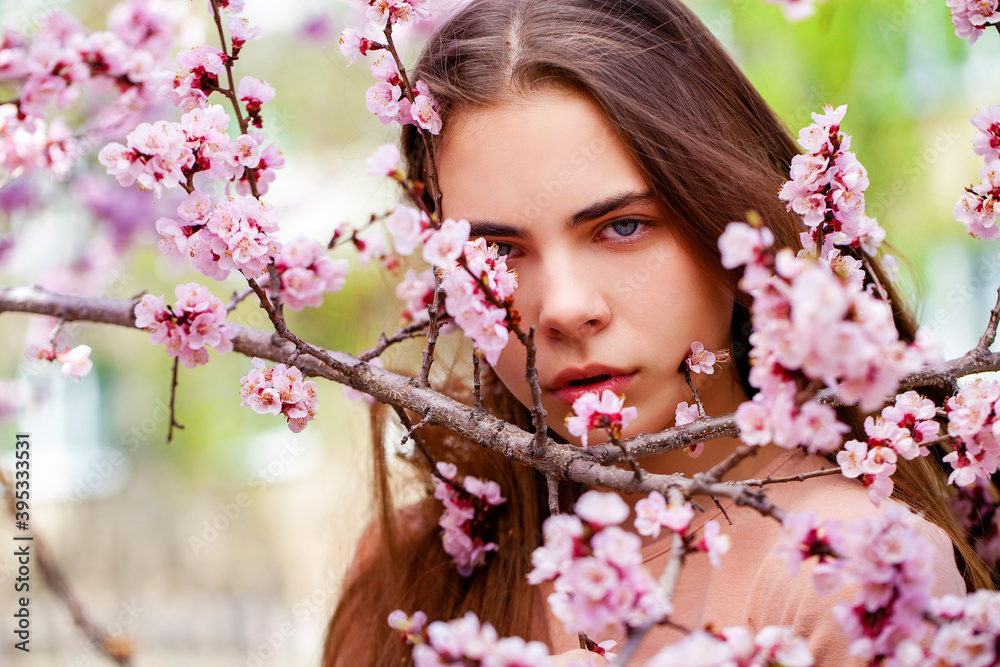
column 604, row 146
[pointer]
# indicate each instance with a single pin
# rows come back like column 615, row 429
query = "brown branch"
column 739, row 454
column 114, row 647
column 432, row 183
column 790, row 478
column 561, row 461
column 694, row 392
column 413, row 330
column 173, row 397
column 423, row 379
column 982, row 348
column 477, row 385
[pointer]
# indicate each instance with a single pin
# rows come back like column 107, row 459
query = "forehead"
column 541, row 159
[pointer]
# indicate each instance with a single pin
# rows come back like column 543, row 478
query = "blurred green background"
column 228, row 545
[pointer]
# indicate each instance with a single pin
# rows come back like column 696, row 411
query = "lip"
column 564, row 392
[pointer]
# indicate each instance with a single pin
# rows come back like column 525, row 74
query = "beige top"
column 753, row 586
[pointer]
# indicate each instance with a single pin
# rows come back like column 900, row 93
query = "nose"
column 573, row 304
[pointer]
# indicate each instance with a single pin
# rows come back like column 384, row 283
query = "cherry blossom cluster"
column 978, row 206
column 472, row 292
column 63, row 63
column 973, row 423
column 600, row 585
column 972, row 17
column 897, row 433
column 196, row 321
column 417, row 290
column 164, row 155
column 888, row 561
column 813, row 322
column 827, row 188
column 606, row 411
column 387, row 98
column 737, row 646
column 464, row 642
column 796, row 10
column 969, row 632
column 979, row 513
column 236, row 234
column 75, row 362
column 279, row 391
column 468, row 509
column 653, row 513
column 307, row 273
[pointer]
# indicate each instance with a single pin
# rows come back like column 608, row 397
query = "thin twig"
column 477, row 385
column 432, row 183
column 237, row 298
column 982, row 348
column 722, row 509
column 114, row 647
column 173, row 397
column 738, row 455
column 413, row 330
column 790, row 478
column 423, row 379
column 874, row 276
column 694, row 392
column 537, row 411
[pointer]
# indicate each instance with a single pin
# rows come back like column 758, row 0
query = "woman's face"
column 615, row 299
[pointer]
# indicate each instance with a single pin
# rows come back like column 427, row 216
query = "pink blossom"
column 796, row 10
column 307, row 273
column 465, row 297
column 804, row 536
column 417, row 290
column 353, row 44
column 601, row 509
column 410, row 626
column 370, row 247
column 466, row 511
column 425, row 110
column 714, row 543
column 242, row 31
column 591, row 411
column 384, row 161
column 700, row 360
column 444, row 246
column 599, row 585
column 279, row 391
column 197, row 319
column 970, row 17
column 383, row 68
column 741, row 244
column 407, row 226
column 465, row 641
column 652, row 513
column 986, row 141
column 76, row 362
column 685, row 414
column 382, row 100
column 254, row 93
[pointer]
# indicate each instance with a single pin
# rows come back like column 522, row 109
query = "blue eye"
column 624, row 228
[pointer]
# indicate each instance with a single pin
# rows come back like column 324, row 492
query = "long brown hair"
column 711, row 150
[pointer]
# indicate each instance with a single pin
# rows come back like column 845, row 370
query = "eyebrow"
column 593, row 212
